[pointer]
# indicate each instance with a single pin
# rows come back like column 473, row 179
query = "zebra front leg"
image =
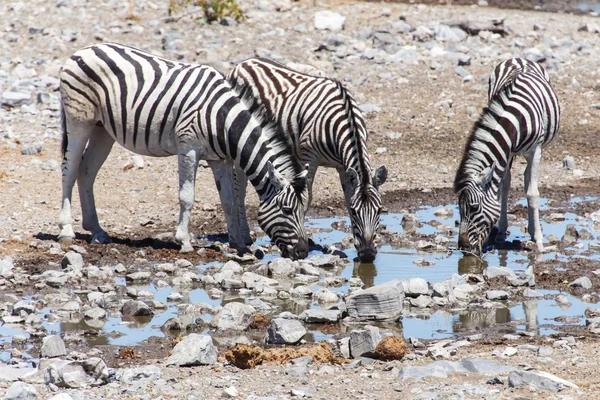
column 76, row 137
column 188, row 164
column 240, row 184
column 533, row 197
column 223, row 174
column 503, row 222
column 93, row 158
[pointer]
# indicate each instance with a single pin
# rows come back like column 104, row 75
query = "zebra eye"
column 474, row 208
column 287, row 209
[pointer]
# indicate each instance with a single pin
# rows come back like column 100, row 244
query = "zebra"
column 522, row 117
column 327, row 128
column 157, row 107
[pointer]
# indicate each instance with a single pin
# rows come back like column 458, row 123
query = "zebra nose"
column 300, row 250
column 367, row 255
column 463, row 241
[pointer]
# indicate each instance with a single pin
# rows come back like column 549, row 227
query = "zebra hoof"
column 100, row 238
column 65, row 239
column 186, row 248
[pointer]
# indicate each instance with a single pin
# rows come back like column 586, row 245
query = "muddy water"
column 537, row 316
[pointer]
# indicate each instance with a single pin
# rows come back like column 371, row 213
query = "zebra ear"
column 379, row 176
column 486, row 176
column 351, row 179
column 276, row 179
column 304, row 174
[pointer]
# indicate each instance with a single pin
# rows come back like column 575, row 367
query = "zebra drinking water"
column 522, row 117
column 157, row 107
column 327, row 129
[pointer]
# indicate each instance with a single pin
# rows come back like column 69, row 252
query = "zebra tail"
column 65, row 137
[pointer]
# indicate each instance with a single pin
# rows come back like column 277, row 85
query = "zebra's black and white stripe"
column 327, row 129
column 157, row 107
column 522, row 117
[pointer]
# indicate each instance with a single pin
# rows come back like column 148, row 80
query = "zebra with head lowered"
column 522, row 117
column 157, row 107
column 327, row 129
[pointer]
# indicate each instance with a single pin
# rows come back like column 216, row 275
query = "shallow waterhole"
column 540, row 316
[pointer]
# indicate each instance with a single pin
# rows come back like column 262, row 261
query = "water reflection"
column 471, row 265
column 366, row 272
column 473, row 321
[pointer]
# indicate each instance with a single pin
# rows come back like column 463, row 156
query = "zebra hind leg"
column 188, row 165
column 533, row 197
column 94, row 156
column 240, row 184
column 76, row 137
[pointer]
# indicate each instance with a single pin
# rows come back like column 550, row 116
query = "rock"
column 297, row 371
column 364, row 341
column 377, row 303
column 325, row 296
column 496, row 295
column 53, row 346
column 300, row 292
column 77, row 374
column 530, row 293
column 172, row 324
column 415, row 287
column 312, row 316
column 282, row 267
column 95, row 313
column 441, row 369
column 6, row 266
column 231, row 392
column 194, row 349
column 584, row 283
column 11, row 374
column 31, row 149
column 562, row 300
column 236, row 316
column 252, row 280
column 131, row 375
column 135, row 308
column 329, row 20
column 141, row 276
column 285, row 331
column 15, row 99
column 21, row 391
column 422, row 301
column 72, row 261
column 538, row 380
column 569, row 163
column 495, row 272
column 21, row 307
column 324, row 260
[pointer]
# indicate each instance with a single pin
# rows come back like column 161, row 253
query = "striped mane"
column 364, row 167
column 285, row 160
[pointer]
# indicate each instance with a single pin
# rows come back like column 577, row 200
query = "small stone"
column 31, row 149
column 135, row 308
column 584, row 283
column 285, row 331
column 496, row 295
column 364, row 341
column 194, row 349
column 329, row 20
column 231, row 392
column 53, row 346
column 530, row 293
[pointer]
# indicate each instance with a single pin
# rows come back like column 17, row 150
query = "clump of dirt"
column 330, row 329
column 126, row 353
column 392, row 348
column 245, row 356
column 259, row 322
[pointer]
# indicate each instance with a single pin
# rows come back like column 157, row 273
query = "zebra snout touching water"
column 522, row 117
column 157, row 107
column 327, row 129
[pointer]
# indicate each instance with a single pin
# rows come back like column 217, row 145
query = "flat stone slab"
column 441, row 369
column 9, row 374
column 378, row 302
column 538, row 380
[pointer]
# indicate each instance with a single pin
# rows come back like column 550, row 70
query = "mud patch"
column 245, row 356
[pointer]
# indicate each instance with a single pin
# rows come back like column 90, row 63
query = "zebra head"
column 365, row 208
column 281, row 215
column 479, row 210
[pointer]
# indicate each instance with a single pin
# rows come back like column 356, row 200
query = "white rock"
column 329, row 20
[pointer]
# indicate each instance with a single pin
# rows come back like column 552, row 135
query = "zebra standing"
column 157, row 107
column 327, row 129
column 522, row 117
